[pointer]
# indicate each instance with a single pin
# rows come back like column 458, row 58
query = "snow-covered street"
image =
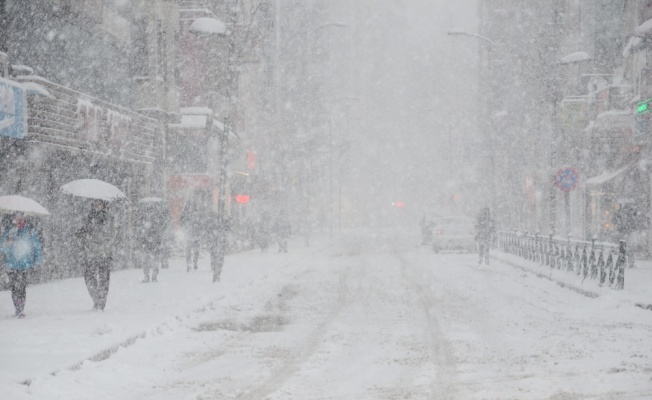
column 370, row 316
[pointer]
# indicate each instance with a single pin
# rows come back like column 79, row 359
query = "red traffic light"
column 242, row 198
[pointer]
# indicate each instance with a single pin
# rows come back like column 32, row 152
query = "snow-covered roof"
column 208, row 26
column 575, row 57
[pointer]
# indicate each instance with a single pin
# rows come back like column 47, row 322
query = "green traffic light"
column 642, row 108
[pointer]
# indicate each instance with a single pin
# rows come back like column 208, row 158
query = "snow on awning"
column 644, row 29
column 575, row 57
column 209, row 26
column 196, row 110
column 614, row 120
column 609, row 175
column 632, row 45
column 220, row 126
column 194, row 121
column 191, row 122
column 33, row 87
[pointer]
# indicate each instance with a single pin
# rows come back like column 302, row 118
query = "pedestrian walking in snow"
column 99, row 239
column 152, row 232
column 22, row 251
column 192, row 222
column 426, row 231
column 216, row 232
column 282, row 230
column 263, row 232
column 484, row 231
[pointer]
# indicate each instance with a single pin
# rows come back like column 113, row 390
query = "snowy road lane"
column 378, row 318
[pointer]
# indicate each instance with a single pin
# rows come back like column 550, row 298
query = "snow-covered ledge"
column 575, row 57
column 208, row 26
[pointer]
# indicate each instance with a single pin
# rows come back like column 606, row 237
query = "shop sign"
column 13, row 115
column 574, row 115
column 190, row 181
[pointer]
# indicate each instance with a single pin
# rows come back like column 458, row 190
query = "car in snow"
column 453, row 233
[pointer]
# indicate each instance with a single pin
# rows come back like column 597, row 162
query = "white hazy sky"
column 415, row 84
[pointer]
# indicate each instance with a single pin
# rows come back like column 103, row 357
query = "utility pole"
column 555, row 94
column 232, row 77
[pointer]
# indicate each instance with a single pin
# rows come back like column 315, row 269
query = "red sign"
column 251, row 160
column 188, row 181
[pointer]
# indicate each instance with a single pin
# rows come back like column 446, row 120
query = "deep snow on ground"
column 370, row 316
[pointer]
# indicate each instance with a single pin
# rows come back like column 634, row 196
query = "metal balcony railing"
column 193, row 4
column 600, row 261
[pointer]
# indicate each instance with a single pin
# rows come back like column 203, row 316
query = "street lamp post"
column 490, row 45
column 215, row 28
column 330, row 166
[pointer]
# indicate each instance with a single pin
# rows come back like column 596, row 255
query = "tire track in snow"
column 442, row 385
column 293, row 364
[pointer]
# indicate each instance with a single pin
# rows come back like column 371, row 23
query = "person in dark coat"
column 282, row 230
column 22, row 251
column 153, row 231
column 484, row 231
column 192, row 223
column 99, row 239
column 263, row 232
column 216, row 232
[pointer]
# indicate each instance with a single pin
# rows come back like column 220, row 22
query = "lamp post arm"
column 462, row 33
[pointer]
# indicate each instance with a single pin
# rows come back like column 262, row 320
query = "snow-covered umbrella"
column 93, row 189
column 15, row 203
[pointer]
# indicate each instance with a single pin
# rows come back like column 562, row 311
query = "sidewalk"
column 638, row 280
column 61, row 331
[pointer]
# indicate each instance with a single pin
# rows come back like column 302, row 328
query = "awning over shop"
column 191, row 122
column 607, row 176
column 613, row 120
column 644, row 29
column 197, row 118
column 633, row 45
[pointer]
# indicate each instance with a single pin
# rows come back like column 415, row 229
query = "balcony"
column 71, row 119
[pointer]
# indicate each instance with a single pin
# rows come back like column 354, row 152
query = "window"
column 161, row 65
column 140, row 59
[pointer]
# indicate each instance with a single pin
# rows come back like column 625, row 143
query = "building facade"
column 595, row 122
column 100, row 87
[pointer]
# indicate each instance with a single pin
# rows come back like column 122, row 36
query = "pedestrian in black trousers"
column 99, row 238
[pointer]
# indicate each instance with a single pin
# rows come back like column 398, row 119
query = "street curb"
column 583, row 292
